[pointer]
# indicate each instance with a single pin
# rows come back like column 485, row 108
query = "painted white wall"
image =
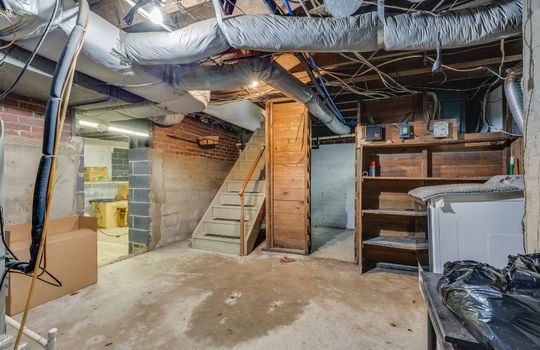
column 494, row 110
column 332, row 186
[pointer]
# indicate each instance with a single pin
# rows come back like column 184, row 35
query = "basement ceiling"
column 349, row 77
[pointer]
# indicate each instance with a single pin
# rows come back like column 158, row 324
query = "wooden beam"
column 427, row 70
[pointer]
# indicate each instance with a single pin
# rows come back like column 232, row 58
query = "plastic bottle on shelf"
column 372, row 167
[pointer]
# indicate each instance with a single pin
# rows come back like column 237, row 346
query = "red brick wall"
column 188, row 129
column 24, row 117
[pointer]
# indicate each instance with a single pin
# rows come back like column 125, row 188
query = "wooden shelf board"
column 398, row 243
column 463, row 138
column 397, row 212
column 420, row 178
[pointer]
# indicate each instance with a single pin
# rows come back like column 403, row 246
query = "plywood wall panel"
column 287, row 167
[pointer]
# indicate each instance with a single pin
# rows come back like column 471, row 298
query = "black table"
column 443, row 326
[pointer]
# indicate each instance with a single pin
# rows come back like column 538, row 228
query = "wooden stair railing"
column 241, row 194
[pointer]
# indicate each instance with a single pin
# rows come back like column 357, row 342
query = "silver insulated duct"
column 514, row 94
column 265, row 69
column 451, row 29
column 113, row 56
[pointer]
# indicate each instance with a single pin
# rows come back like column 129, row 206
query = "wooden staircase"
column 219, row 228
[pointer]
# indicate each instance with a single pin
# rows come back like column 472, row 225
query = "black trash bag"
column 500, row 308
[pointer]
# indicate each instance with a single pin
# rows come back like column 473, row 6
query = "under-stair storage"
column 219, row 229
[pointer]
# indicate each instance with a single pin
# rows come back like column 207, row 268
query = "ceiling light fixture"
column 156, row 16
column 103, row 128
column 129, row 132
column 137, row 6
column 87, row 123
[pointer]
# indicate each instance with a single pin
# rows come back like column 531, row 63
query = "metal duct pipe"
column 265, row 69
column 272, row 33
column 112, row 55
column 514, row 94
column 457, row 28
column 101, row 59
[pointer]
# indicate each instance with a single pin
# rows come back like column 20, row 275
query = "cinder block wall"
column 185, row 177
column 120, row 165
column 139, row 217
column 23, row 129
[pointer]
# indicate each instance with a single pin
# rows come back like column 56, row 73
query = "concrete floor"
column 332, row 243
column 180, row 298
column 112, row 244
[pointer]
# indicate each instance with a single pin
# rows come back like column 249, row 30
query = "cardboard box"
column 96, row 174
column 109, row 212
column 71, row 257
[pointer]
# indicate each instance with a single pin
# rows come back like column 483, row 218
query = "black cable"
column 56, row 282
column 130, row 16
column 2, row 232
column 34, row 52
column 6, row 271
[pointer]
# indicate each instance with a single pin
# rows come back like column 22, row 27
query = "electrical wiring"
column 64, row 73
column 384, row 76
column 405, row 9
column 115, row 235
column 367, row 93
column 501, row 47
column 10, row 264
column 3, row 233
column 374, row 67
column 476, row 48
column 34, row 52
column 468, row 69
column 322, row 86
column 288, row 6
column 14, row 35
column 306, row 11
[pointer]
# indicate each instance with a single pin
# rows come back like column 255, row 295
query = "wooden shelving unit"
column 390, row 226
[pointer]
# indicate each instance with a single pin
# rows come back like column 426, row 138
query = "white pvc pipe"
column 48, row 344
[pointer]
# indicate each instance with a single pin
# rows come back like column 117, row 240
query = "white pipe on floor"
column 48, row 343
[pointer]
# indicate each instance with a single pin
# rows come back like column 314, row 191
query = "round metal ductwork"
column 343, row 8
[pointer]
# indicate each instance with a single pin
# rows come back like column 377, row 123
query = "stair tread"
column 222, row 221
column 246, row 219
column 250, row 193
column 219, row 229
column 230, row 206
column 240, row 181
column 225, row 237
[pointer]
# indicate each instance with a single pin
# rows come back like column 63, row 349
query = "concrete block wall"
column 120, row 165
column 139, row 219
column 23, row 122
column 333, row 185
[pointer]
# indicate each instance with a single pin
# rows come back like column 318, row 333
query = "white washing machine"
column 481, row 224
